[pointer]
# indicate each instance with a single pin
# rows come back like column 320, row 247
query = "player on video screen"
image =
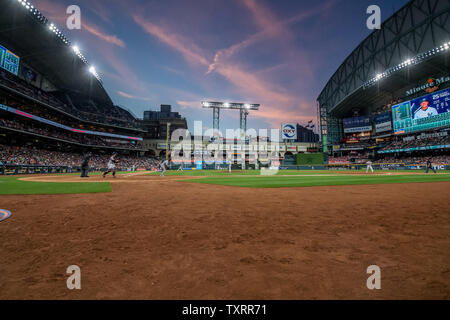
column 425, row 110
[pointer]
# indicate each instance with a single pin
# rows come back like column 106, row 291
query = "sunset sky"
column 277, row 53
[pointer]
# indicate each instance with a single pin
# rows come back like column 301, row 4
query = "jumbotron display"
column 424, row 113
column 9, row 61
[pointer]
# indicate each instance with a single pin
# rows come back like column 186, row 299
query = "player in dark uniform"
column 430, row 165
column 85, row 165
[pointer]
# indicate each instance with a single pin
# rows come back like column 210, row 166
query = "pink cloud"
column 94, row 30
column 277, row 104
column 195, row 104
column 129, row 96
column 189, row 51
column 271, row 28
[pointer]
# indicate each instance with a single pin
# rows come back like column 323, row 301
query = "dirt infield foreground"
column 160, row 238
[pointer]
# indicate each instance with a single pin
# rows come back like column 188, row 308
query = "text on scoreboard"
column 9, row 61
column 424, row 113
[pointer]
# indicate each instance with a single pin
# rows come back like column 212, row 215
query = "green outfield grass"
column 12, row 185
column 219, row 173
column 313, row 180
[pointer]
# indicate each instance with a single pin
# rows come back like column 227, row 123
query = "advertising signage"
column 289, row 131
column 357, row 124
column 55, row 124
column 383, row 122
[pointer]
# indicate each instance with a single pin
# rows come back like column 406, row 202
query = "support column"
column 216, row 119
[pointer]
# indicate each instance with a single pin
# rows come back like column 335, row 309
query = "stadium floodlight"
column 415, row 60
column 92, row 70
column 76, row 49
column 244, row 109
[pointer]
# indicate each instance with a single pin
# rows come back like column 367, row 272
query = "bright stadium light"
column 92, row 70
column 76, row 49
column 226, row 105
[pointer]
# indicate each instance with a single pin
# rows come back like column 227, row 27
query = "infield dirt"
column 160, row 238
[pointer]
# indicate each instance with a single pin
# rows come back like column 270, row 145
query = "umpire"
column 85, row 165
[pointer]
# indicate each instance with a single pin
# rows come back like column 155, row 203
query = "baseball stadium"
column 147, row 213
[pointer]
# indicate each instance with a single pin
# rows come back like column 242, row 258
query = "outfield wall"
column 309, row 159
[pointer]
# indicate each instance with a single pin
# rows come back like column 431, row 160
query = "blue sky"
column 277, row 53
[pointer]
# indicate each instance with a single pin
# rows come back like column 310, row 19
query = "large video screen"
column 9, row 61
column 424, row 113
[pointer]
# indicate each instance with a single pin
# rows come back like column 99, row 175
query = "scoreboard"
column 410, row 117
column 9, row 61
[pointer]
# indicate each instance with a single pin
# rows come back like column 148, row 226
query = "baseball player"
column 425, row 110
column 163, row 166
column 369, row 166
column 85, row 165
column 112, row 165
column 430, row 166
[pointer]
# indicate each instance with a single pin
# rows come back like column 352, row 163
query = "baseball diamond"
column 300, row 150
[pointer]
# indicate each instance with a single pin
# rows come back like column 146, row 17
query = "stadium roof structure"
column 27, row 33
column 412, row 44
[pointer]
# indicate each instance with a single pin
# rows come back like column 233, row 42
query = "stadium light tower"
column 244, row 109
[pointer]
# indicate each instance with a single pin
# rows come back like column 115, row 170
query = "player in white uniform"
column 111, row 165
column 163, row 166
column 369, row 166
column 425, row 111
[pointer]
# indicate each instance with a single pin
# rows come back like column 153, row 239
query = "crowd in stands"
column 90, row 111
column 62, row 134
column 416, row 143
column 415, row 160
column 407, row 160
column 351, row 158
column 14, row 155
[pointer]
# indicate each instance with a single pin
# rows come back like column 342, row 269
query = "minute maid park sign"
column 431, row 85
